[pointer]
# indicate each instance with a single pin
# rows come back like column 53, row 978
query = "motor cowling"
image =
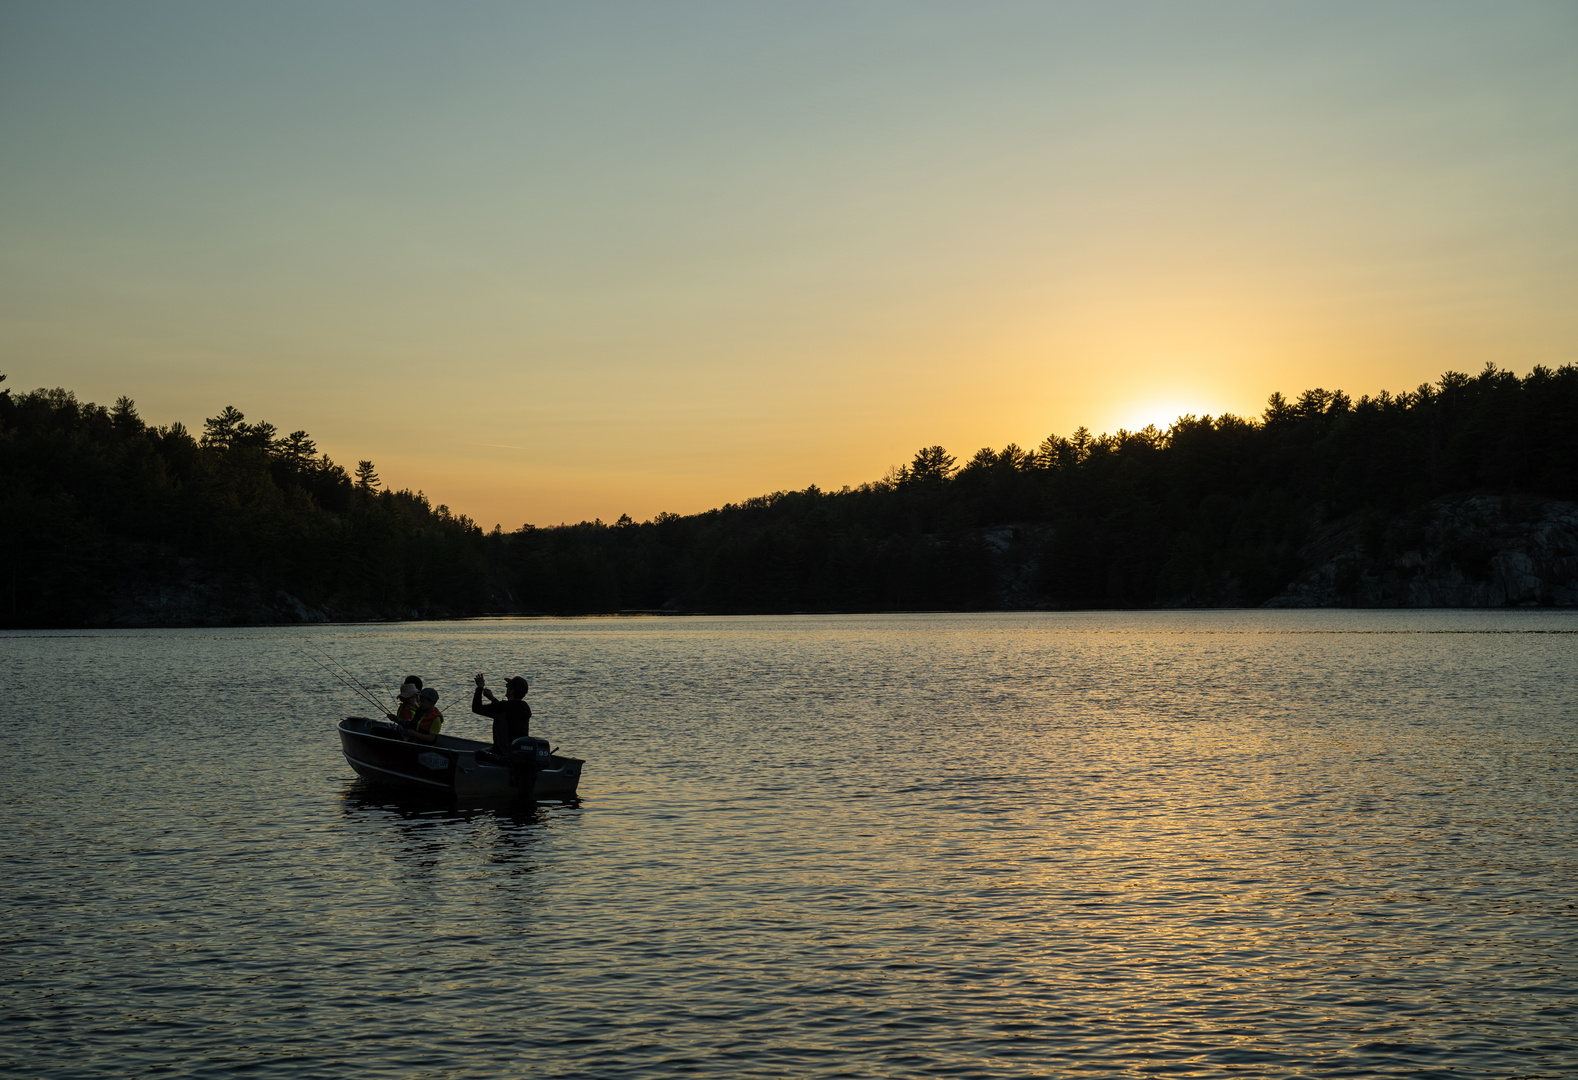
column 534, row 748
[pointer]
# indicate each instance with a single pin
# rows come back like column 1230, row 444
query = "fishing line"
column 359, row 690
column 374, row 691
column 345, row 673
column 349, row 686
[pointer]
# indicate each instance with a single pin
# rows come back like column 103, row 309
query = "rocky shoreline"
column 1474, row 551
column 1479, row 551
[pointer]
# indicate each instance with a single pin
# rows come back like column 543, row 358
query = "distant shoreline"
column 1460, row 494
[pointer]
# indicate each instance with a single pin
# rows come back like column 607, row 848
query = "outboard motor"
column 527, row 757
column 534, row 751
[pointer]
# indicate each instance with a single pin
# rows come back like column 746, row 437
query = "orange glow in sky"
column 553, row 263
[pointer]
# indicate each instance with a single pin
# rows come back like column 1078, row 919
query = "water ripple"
column 1182, row 844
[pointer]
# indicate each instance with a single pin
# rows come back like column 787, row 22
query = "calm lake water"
column 1185, row 844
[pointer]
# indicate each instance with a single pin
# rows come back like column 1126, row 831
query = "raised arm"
column 476, row 699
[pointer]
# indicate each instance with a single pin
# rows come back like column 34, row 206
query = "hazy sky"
column 561, row 261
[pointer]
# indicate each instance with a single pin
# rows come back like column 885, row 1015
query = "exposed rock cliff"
column 1475, row 551
column 1016, row 553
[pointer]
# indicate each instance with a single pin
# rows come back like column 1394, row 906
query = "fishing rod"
column 352, row 687
column 377, row 694
column 346, row 675
column 359, row 690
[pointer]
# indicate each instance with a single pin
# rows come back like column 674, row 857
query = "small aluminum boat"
column 453, row 765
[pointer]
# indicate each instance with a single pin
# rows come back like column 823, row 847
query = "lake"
column 1179, row 844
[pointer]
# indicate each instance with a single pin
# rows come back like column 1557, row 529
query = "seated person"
column 424, row 726
column 408, row 692
column 511, row 717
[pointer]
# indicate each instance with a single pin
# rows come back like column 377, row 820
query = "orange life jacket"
column 430, row 722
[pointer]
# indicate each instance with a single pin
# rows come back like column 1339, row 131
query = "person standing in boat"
column 425, row 725
column 511, row 717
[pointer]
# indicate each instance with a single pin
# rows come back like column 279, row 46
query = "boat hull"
column 450, row 766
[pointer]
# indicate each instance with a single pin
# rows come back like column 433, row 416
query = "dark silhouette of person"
column 428, row 720
column 408, row 700
column 511, row 717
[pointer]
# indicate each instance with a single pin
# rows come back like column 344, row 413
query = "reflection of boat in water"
column 460, row 767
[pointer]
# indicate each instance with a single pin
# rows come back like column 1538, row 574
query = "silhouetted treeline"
column 113, row 521
column 1211, row 511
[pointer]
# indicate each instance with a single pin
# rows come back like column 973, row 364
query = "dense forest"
column 116, row 522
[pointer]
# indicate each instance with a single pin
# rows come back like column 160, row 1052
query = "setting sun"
column 622, row 262
column 784, row 394
column 1162, row 413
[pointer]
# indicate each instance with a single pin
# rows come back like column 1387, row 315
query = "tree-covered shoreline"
column 237, row 525
column 116, row 522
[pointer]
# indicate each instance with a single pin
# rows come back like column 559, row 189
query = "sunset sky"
column 549, row 262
